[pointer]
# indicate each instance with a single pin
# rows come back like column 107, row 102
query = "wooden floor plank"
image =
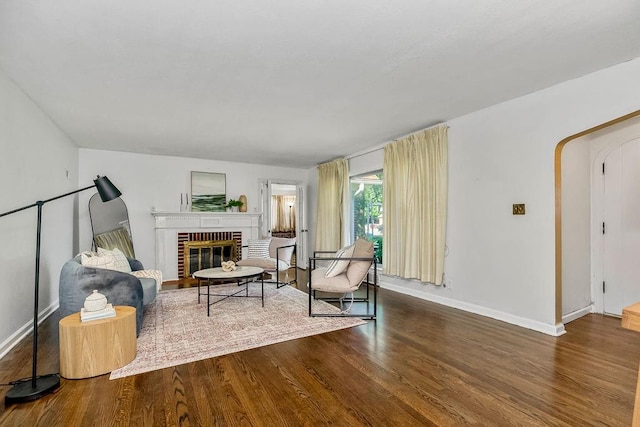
column 420, row 363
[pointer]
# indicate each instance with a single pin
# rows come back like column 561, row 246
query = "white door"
column 265, row 194
column 621, row 228
column 302, row 233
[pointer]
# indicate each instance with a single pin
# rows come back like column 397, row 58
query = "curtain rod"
column 381, row 146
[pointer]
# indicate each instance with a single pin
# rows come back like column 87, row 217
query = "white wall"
column 365, row 163
column 504, row 155
column 34, row 160
column 498, row 264
column 576, row 227
column 152, row 182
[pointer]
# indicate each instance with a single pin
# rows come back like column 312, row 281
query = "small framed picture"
column 208, row 192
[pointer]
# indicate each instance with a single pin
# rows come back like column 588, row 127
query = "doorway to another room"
column 283, row 210
column 283, row 213
column 597, row 234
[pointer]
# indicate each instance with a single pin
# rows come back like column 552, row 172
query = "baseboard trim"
column 553, row 330
column 577, row 314
column 7, row 345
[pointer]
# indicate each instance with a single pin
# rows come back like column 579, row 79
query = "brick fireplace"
column 173, row 229
column 206, row 250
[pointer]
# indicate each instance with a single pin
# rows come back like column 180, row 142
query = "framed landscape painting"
column 208, row 192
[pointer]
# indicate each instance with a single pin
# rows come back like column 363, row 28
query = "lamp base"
column 23, row 390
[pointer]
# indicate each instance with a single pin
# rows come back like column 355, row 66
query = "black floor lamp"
column 37, row 386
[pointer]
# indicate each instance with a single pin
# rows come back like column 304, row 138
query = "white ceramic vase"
column 96, row 301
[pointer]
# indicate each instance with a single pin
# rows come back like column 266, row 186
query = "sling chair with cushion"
column 274, row 255
column 346, row 272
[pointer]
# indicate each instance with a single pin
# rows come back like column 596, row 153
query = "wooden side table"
column 631, row 320
column 88, row 349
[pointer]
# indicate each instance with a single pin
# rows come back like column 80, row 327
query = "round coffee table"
column 242, row 275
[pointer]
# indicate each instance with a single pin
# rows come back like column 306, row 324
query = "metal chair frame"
column 277, row 281
column 366, row 281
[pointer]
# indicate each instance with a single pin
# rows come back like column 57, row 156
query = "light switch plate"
column 518, row 209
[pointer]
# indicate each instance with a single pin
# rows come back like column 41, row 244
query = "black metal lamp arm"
column 42, row 202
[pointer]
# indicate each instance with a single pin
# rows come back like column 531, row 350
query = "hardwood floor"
column 419, row 364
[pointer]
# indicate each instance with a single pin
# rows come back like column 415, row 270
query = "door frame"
column 301, row 216
column 558, row 202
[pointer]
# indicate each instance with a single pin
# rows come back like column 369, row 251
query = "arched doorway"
column 558, row 204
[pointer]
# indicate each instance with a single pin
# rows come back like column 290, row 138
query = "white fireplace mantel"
column 169, row 224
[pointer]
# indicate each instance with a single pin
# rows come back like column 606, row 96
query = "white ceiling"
column 294, row 82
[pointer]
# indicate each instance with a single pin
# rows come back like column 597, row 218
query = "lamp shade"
column 106, row 189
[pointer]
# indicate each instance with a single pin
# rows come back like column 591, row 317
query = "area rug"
column 176, row 329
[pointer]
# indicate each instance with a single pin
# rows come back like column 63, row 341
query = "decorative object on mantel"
column 233, row 205
column 228, row 266
column 184, row 202
column 208, row 192
column 243, row 200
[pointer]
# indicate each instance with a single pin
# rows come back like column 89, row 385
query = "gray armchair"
column 78, row 281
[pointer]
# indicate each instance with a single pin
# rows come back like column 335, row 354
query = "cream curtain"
column 415, row 205
column 283, row 213
column 333, row 180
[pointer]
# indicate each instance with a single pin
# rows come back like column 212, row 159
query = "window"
column 366, row 209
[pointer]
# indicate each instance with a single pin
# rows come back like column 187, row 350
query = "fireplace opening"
column 202, row 254
column 186, row 266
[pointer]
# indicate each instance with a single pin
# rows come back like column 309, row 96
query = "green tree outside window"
column 366, row 202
